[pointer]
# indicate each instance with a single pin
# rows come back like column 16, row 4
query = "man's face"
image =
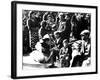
column 33, row 16
column 67, row 17
column 57, row 36
column 84, row 37
column 65, row 44
column 47, row 42
column 50, row 19
column 61, row 17
column 38, row 14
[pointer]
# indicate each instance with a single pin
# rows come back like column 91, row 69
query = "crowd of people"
column 57, row 36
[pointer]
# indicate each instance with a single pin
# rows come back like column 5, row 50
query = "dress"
column 33, row 27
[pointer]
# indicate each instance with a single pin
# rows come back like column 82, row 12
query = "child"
column 65, row 54
column 55, row 50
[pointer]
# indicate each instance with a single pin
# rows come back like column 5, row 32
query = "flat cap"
column 85, row 32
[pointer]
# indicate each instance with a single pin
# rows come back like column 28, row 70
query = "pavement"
column 30, row 63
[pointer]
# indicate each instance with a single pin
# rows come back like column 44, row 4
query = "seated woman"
column 65, row 54
column 42, row 51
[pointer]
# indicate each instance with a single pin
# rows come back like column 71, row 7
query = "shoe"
column 52, row 66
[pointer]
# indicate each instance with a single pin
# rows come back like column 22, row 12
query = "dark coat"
column 59, row 43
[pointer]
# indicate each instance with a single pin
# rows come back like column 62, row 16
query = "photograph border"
column 14, row 38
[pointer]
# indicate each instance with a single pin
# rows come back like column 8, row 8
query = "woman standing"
column 34, row 26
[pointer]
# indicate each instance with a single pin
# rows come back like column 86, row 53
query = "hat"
column 46, row 39
column 61, row 14
column 49, row 16
column 57, row 32
column 65, row 41
column 84, row 32
column 46, row 36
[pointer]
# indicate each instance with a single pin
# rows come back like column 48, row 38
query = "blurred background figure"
column 78, row 24
column 62, row 25
column 42, row 31
column 26, row 43
column 34, row 26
